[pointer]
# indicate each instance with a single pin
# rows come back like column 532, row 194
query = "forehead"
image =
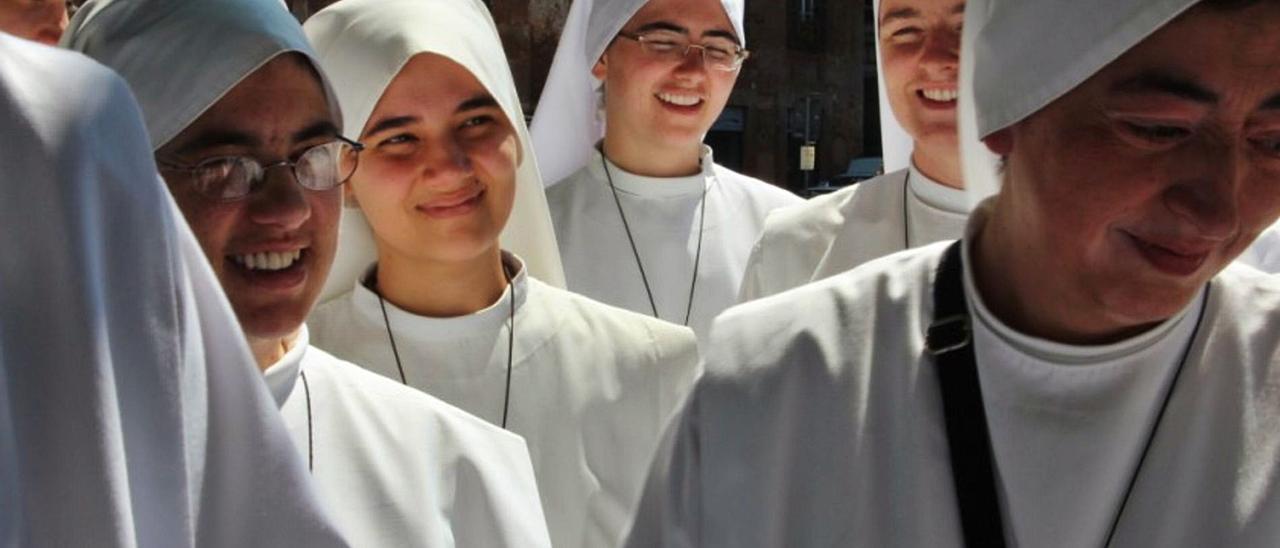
column 430, row 80
column 282, row 97
column 897, row 9
column 1233, row 53
column 695, row 15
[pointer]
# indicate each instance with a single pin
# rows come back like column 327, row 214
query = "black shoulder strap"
column 950, row 342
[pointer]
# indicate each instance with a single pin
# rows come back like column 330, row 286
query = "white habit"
column 1264, row 254
column 131, row 414
column 396, row 467
column 591, row 386
column 831, row 234
column 664, row 216
column 803, row 433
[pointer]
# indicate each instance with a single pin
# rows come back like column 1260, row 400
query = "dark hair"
column 1230, row 4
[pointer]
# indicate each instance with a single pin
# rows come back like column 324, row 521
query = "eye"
column 906, row 35
column 1268, row 144
column 396, row 140
column 1159, row 134
column 477, row 121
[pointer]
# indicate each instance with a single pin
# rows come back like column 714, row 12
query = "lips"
column 281, row 269
column 454, row 204
column 942, row 98
column 1172, row 257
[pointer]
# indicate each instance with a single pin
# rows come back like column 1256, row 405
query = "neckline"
column 281, row 377
column 691, row 186
column 1057, row 353
column 412, row 327
column 932, row 194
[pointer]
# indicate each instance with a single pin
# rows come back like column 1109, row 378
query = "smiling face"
column 1144, row 182
column 437, row 177
column 272, row 249
column 656, row 103
column 920, row 59
column 39, row 20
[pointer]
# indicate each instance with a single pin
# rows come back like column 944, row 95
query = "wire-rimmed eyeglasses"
column 229, row 178
column 718, row 53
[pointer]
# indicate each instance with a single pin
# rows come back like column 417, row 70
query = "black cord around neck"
column 511, row 340
column 697, row 258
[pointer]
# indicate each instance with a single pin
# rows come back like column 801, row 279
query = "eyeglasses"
column 718, row 53
column 229, row 178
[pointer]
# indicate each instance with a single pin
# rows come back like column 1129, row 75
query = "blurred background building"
column 810, row 82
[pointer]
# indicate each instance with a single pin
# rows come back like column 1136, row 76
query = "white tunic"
column 663, row 215
column 819, row 423
column 396, row 467
column 1264, row 254
column 591, row 387
column 834, row 233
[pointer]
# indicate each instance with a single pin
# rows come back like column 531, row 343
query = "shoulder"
column 816, row 324
column 623, row 330
column 565, row 188
column 1247, row 304
column 761, row 194
column 331, row 316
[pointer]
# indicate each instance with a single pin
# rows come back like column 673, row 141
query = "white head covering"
column 567, row 124
column 1018, row 56
column 363, row 45
column 130, row 410
column 181, row 56
column 896, row 144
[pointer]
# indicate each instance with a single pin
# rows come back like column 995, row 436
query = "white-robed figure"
column 449, row 197
column 1084, row 368
column 644, row 217
column 122, row 369
column 925, row 202
column 247, row 135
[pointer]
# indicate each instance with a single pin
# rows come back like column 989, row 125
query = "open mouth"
column 939, row 97
column 680, row 100
column 268, row 262
column 271, row 270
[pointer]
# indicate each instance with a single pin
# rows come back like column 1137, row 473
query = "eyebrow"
column 481, row 100
column 672, row 27
column 1167, row 84
column 323, row 128
column 215, row 138
column 390, row 123
column 899, row 14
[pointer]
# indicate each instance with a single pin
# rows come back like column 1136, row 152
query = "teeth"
column 680, row 100
column 941, row 95
column 268, row 261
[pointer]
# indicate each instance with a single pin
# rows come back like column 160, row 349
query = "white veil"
column 364, row 44
column 131, row 413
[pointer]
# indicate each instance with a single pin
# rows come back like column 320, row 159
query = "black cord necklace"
column 697, row 258
column 511, row 341
column 906, row 215
column 506, row 398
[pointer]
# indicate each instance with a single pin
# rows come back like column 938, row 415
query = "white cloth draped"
column 591, row 386
column 130, row 410
column 396, row 467
column 896, row 144
column 804, row 433
column 363, row 45
column 568, row 123
column 830, row 234
column 1264, row 254
column 664, row 216
column 180, row 56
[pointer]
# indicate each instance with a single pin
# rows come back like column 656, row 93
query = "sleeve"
column 669, row 514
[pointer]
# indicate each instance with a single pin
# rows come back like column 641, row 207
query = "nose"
column 1208, row 192
column 694, row 61
column 446, row 162
column 940, row 56
column 282, row 203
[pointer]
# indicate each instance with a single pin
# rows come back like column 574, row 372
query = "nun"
column 247, row 134
column 645, row 219
column 1086, row 367
column 121, row 365
column 454, row 301
column 925, row 202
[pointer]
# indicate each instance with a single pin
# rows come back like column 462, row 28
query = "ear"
column 349, row 196
column 601, row 68
column 1000, row 143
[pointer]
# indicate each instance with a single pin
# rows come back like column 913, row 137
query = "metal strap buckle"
column 948, row 335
